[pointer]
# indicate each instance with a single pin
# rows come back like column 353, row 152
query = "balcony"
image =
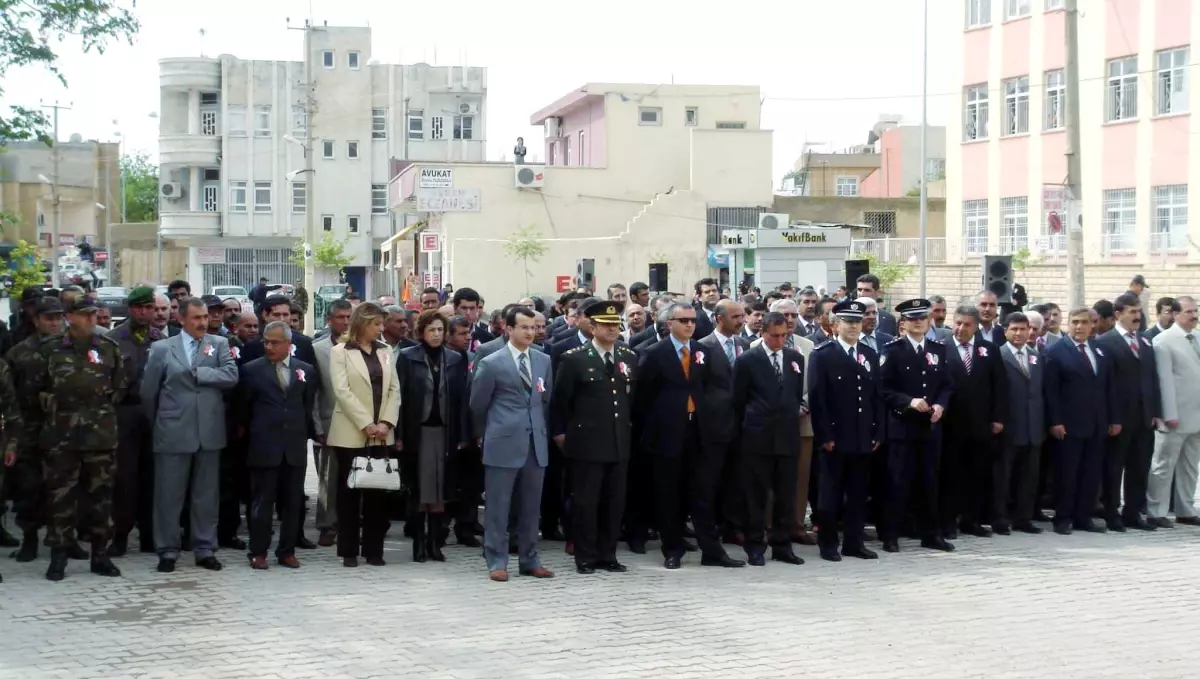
column 1173, row 243
column 900, row 250
column 199, row 150
column 189, row 73
column 188, row 224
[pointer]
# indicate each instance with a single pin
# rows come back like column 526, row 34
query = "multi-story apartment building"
column 234, row 134
column 1138, row 147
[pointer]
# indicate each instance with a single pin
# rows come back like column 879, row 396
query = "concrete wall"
column 850, row 210
column 88, row 173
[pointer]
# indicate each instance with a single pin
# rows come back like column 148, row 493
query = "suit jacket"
column 1179, row 378
column 805, row 346
column 886, row 324
column 1135, row 378
column 1026, row 425
column 278, row 423
column 942, row 334
column 510, row 417
column 906, row 375
column 354, row 400
column 185, row 400
column 704, row 324
column 978, row 398
column 302, row 349
column 716, row 423
column 562, row 346
column 882, row 339
column 995, row 336
column 1153, row 332
column 1078, row 397
column 847, row 404
column 767, row 412
column 325, row 400
column 663, row 392
column 480, row 335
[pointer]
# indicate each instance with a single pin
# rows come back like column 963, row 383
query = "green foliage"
column 526, row 246
column 1023, row 259
column 24, row 265
column 8, row 219
column 889, row 273
column 327, row 253
column 141, row 188
column 30, row 32
column 914, row 192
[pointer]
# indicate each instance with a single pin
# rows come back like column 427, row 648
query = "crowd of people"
column 698, row 421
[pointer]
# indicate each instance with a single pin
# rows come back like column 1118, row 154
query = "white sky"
column 827, row 68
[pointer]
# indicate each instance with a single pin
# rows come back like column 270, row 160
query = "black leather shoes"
column 672, row 563
column 612, row 567
column 975, row 530
column 938, row 543
column 118, row 547
column 166, row 565
column 722, row 560
column 1188, row 520
column 58, row 565
column 209, row 563
column 637, row 546
column 830, row 554
column 1063, row 528
column 1002, row 529
column 1115, row 525
column 859, row 553
column 302, row 543
column 891, row 546
column 233, row 543
column 103, row 566
column 467, row 540
column 690, row 546
column 951, row 532
column 786, row 555
column 1139, row 523
column 1028, row 527
column 1091, row 527
column 29, row 548
column 756, row 560
column 77, row 553
column 584, row 569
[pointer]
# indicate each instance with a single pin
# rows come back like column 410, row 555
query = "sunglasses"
column 685, row 321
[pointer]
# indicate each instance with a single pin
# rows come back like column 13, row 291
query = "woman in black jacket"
column 433, row 412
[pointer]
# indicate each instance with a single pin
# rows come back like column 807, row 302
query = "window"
column 1016, row 106
column 846, row 186
column 262, row 196
column 464, row 127
column 691, row 115
column 352, row 60
column 567, row 150
column 299, row 197
column 327, row 59
column 435, row 127
column 1014, row 224
column 1120, row 219
column 210, row 98
column 326, row 148
column 299, row 119
column 979, row 13
column 731, row 125
column 211, row 189
column 1122, row 89
column 1170, row 226
column 416, row 125
column 235, row 122
column 582, row 148
column 649, row 115
column 208, row 121
column 237, row 196
column 935, row 169
column 379, row 123
column 880, row 223
column 327, row 222
column 975, row 227
column 212, row 174
column 1171, row 83
column 352, row 224
column 262, row 121
column 1054, row 4
column 379, row 199
column 1056, row 99
column 975, row 117
column 1015, row 9
column 351, row 149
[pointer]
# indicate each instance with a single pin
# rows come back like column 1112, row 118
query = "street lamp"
column 310, row 274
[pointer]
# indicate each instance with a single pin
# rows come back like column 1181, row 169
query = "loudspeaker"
column 998, row 277
column 658, row 277
column 854, row 269
column 585, row 274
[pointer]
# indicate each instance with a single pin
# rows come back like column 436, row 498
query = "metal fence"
column 731, row 218
column 901, row 250
column 244, row 266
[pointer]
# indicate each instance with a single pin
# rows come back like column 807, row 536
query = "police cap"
column 914, row 308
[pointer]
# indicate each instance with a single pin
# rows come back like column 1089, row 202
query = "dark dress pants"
column 1015, row 476
column 1077, row 470
column 133, row 443
column 965, row 480
column 270, row 487
column 235, row 489
column 470, row 489
column 555, row 493
column 845, row 480
column 1127, row 455
column 598, row 492
column 706, row 476
column 671, row 481
column 774, row 474
column 639, row 498
column 912, row 463
column 362, row 514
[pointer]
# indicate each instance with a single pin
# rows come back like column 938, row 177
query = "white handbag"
column 374, row 473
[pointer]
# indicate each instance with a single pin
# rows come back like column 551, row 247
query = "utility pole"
column 310, row 192
column 1074, row 221
column 54, row 156
column 921, row 245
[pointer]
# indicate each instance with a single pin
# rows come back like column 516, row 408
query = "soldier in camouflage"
column 82, row 379
column 10, row 418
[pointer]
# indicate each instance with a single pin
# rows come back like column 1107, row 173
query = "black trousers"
column 362, row 514
column 672, row 477
column 775, row 474
column 271, row 487
column 598, row 499
column 912, row 463
column 470, row 490
column 1078, row 463
column 845, row 480
column 965, row 480
column 1045, row 487
column 639, row 497
column 707, row 474
column 29, row 498
column 1015, row 476
column 235, row 491
column 556, row 495
column 1127, row 454
column 133, row 446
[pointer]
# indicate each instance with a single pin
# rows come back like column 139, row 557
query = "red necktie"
column 1133, row 343
column 1086, row 359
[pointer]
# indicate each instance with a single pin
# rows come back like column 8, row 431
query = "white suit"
column 1177, row 451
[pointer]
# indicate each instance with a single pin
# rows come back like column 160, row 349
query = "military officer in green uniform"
column 81, row 382
column 10, row 419
column 591, row 410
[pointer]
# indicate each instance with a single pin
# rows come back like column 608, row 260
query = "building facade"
column 1138, row 147
column 233, row 139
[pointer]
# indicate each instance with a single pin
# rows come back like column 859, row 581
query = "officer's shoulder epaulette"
column 105, row 339
column 824, row 346
column 623, row 350
column 894, row 340
column 935, row 341
column 576, row 350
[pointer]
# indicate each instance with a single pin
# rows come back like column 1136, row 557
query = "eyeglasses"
column 685, row 321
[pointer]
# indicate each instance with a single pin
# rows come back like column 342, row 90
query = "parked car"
column 231, row 292
column 280, row 289
column 116, row 299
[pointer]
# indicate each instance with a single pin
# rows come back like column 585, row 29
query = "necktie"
column 608, row 364
column 1041, row 343
column 1023, row 361
column 1133, row 343
column 523, row 368
column 851, row 354
column 1086, row 359
column 281, row 375
column 686, row 362
column 778, row 372
column 1192, row 341
column 965, row 350
column 729, row 350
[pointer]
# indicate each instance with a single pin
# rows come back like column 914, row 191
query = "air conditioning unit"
column 553, row 127
column 467, row 108
column 171, row 190
column 772, row 220
column 529, row 176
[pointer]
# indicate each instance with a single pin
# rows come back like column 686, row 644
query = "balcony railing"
column 901, row 250
column 1118, row 244
column 1168, row 241
column 975, row 246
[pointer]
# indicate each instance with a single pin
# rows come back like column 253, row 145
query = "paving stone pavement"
column 1007, row 607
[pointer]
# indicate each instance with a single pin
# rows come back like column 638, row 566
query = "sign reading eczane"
column 435, row 178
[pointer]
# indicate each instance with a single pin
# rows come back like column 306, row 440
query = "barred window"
column 975, row 226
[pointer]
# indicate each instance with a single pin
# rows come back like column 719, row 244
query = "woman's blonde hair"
column 362, row 315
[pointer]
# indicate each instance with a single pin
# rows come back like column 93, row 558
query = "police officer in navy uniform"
column 847, row 420
column 916, row 391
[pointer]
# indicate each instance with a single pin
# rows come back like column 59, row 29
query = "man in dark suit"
column 916, row 391
column 989, row 325
column 768, row 403
column 975, row 418
column 1164, row 311
column 468, row 303
column 275, row 404
column 580, row 334
column 1135, row 379
column 847, row 421
column 1017, row 465
column 872, row 335
column 868, row 285
column 707, row 294
column 592, row 408
column 1082, row 411
column 755, row 312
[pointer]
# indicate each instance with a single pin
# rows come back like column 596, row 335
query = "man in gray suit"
column 1177, row 443
column 1024, row 432
column 338, row 322
column 510, row 404
column 181, row 390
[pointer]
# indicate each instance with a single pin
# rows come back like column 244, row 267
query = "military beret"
column 914, row 308
column 142, row 294
column 49, row 306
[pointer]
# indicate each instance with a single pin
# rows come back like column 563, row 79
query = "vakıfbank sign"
column 798, row 238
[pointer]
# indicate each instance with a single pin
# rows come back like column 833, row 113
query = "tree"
column 30, row 32
column 141, row 188
column 526, row 246
column 327, row 253
column 24, row 265
column 889, row 273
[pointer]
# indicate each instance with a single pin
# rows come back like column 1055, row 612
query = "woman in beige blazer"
column 366, row 408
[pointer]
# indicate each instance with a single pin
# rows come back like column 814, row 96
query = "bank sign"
column 435, row 178
column 801, row 238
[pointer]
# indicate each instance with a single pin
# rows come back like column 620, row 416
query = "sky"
column 827, row 69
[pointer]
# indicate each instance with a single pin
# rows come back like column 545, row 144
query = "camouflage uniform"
column 81, row 381
column 28, row 496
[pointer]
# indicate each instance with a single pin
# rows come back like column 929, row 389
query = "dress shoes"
column 950, row 533
column 209, row 563
column 735, row 537
column 859, row 552
column 77, row 553
column 376, row 561
column 830, row 554
column 102, row 565
column 1041, row 517
column 1160, row 522
column 468, row 540
column 258, row 563
column 690, row 546
column 722, row 560
column 1091, row 527
column 569, row 548
column 1188, row 520
column 1028, row 527
column 1063, row 528
column 327, row 538
column 975, row 530
column 289, row 561
column 1139, row 523
column 1115, row 525
column 756, row 559
column 234, row 542
column 7, row 540
column 786, row 555
column 302, row 543
column 1002, row 529
column 672, row 563
column 117, row 548
column 58, row 564
column 498, row 576
column 803, row 537
column 350, row 562
column 29, row 548
column 584, row 568
column 540, row 572
column 891, row 546
column 612, row 566
column 637, row 546
column 937, row 543
column 166, row 565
